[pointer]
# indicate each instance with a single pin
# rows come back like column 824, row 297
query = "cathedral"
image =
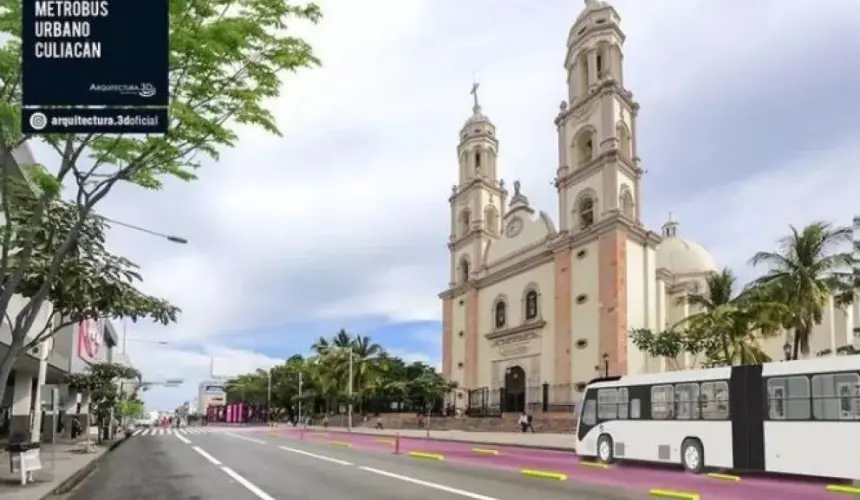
column 532, row 300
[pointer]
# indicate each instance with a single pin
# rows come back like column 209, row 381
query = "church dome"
column 682, row 256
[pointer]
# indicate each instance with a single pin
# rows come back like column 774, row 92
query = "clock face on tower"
column 514, row 227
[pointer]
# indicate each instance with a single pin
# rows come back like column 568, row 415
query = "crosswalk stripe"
column 173, row 431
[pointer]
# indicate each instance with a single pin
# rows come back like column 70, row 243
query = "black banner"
column 97, row 121
column 95, row 53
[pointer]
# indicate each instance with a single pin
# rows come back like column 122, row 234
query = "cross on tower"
column 474, row 93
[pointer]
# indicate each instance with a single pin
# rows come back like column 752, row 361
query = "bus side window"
column 589, row 413
column 714, row 400
column 797, row 398
column 687, row 401
column 623, row 399
column 845, row 382
column 776, row 398
column 636, row 410
column 662, row 402
column 825, row 405
column 607, row 404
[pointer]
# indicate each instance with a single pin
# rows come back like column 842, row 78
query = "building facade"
column 532, row 300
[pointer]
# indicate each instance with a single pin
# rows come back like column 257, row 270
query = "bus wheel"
column 693, row 456
column 604, row 449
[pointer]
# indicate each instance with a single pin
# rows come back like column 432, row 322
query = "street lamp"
column 125, row 340
column 168, row 237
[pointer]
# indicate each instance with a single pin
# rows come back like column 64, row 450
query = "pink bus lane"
column 636, row 477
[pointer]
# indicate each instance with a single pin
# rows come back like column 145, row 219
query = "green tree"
column 101, row 381
column 725, row 327
column 226, row 62
column 809, row 268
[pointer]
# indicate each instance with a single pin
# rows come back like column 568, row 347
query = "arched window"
column 491, row 219
column 477, row 161
column 623, row 136
column 586, row 212
column 625, row 201
column 582, row 65
column 465, row 222
column 464, row 270
column 584, row 145
column 531, row 305
column 500, row 314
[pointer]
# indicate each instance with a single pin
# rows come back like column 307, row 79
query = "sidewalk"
column 59, row 466
column 562, row 442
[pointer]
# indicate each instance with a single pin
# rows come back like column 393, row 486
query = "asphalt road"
column 158, row 469
column 260, row 467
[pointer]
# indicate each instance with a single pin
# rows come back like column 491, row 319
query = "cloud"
column 747, row 125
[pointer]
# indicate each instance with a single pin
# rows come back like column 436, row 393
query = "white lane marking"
column 182, row 438
column 258, row 441
column 314, row 455
column 207, row 456
column 253, row 488
column 428, row 484
column 136, row 432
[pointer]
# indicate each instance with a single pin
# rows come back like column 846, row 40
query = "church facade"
column 531, row 300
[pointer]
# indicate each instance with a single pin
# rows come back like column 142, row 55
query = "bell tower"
column 477, row 199
column 598, row 174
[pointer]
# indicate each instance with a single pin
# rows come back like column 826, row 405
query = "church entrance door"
column 515, row 389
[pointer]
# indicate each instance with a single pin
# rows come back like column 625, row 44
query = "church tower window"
column 464, row 270
column 599, row 61
column 623, row 136
column 626, row 203
column 477, row 160
column 586, row 212
column 531, row 305
column 491, row 219
column 584, row 145
column 465, row 222
column 500, row 314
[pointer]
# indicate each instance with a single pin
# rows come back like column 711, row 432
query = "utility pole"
column 269, row 399
column 349, row 393
column 300, row 398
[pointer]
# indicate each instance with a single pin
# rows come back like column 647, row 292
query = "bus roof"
column 803, row 366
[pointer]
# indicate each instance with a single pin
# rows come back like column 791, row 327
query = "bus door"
column 587, row 421
column 747, row 412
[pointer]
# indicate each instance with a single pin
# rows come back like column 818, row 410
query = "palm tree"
column 730, row 324
column 808, row 270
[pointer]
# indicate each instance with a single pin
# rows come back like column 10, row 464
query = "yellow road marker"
column 485, row 451
column 724, row 477
column 843, row 488
column 682, row 495
column 544, row 474
column 596, row 465
column 426, row 456
column 341, row 443
column 385, row 441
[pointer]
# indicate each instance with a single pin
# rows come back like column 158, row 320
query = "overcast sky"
column 748, row 124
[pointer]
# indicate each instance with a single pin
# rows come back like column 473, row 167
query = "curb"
column 79, row 476
column 466, row 441
column 680, row 495
column 544, row 474
column 426, row 456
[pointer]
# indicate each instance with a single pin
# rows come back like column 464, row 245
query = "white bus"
column 792, row 417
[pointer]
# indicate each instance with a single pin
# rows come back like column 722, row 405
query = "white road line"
column 207, row 456
column 435, row 486
column 182, row 438
column 314, row 455
column 258, row 441
column 253, row 488
column 136, row 432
